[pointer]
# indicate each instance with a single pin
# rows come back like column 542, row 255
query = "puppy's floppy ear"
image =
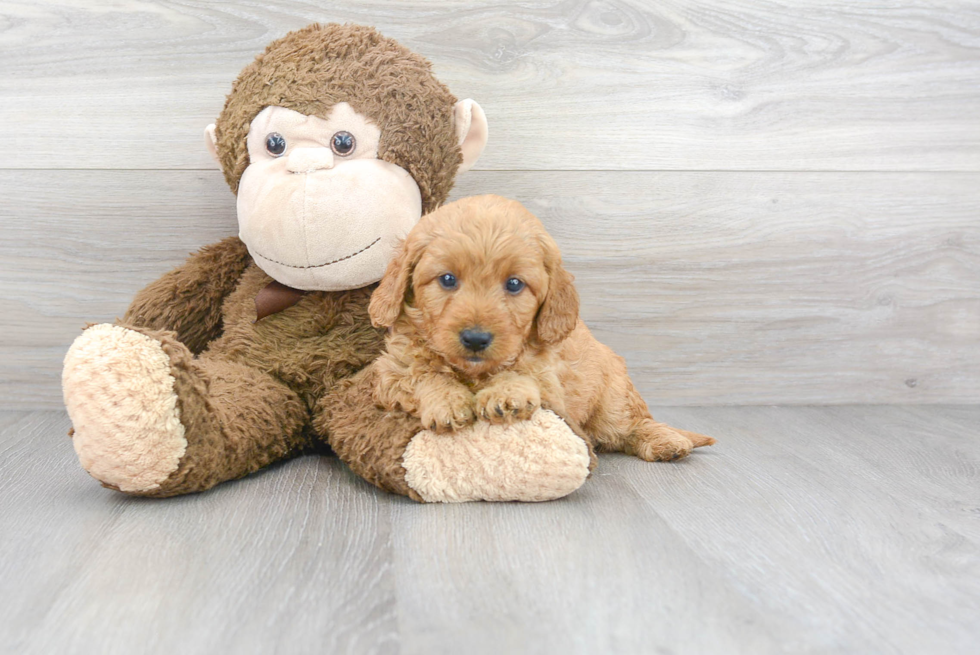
column 387, row 299
column 558, row 314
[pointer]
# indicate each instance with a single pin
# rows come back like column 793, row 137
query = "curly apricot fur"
column 541, row 354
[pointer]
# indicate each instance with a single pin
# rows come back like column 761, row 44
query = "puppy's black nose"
column 475, row 340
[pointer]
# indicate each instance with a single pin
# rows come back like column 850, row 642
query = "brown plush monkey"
column 336, row 140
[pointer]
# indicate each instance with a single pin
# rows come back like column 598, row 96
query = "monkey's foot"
column 534, row 460
column 120, row 395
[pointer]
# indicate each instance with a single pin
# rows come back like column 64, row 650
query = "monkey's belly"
column 326, row 336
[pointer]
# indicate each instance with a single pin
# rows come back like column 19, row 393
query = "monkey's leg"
column 533, row 460
column 151, row 420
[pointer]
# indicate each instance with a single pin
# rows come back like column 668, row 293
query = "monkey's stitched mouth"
column 335, row 261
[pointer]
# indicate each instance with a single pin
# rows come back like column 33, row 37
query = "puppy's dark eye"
column 343, row 143
column 514, row 285
column 448, row 281
column 275, row 144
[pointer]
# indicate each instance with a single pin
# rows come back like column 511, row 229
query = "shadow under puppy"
column 483, row 322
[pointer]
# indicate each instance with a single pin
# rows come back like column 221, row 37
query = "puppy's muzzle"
column 475, row 339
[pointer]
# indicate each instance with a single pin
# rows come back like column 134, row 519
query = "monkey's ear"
column 471, row 130
column 211, row 141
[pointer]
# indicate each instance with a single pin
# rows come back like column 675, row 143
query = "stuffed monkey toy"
column 336, row 140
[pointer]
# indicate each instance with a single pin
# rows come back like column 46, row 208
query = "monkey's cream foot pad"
column 120, row 396
column 534, row 460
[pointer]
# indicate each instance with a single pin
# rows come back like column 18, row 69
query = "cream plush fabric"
column 534, row 460
column 317, row 220
column 119, row 393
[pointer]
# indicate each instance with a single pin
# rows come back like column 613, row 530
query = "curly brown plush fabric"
column 246, row 393
column 376, row 75
column 250, row 397
column 187, row 300
column 240, row 419
column 371, row 440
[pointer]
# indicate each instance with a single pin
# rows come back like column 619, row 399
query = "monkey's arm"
column 539, row 459
column 188, row 299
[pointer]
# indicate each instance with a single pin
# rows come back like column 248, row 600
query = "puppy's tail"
column 698, row 439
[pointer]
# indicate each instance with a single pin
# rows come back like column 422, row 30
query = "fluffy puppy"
column 483, row 322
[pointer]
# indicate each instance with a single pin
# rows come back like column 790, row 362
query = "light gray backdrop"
column 761, row 203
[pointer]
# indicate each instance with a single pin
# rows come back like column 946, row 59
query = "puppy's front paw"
column 506, row 403
column 450, row 411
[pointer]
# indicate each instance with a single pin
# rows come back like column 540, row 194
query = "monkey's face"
column 316, row 207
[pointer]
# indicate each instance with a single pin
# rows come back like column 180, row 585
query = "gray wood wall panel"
column 764, row 202
column 716, row 287
column 580, row 84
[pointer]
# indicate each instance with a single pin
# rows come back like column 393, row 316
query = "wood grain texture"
column 8, row 417
column 717, row 288
column 295, row 558
column 878, row 502
column 571, row 84
column 811, row 530
column 598, row 572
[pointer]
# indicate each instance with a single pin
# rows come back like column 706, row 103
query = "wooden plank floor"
column 813, row 530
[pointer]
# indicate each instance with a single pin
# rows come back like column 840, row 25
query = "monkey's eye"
column 343, row 143
column 448, row 281
column 514, row 285
column 275, row 144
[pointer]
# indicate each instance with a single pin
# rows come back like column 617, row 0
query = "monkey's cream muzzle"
column 314, row 219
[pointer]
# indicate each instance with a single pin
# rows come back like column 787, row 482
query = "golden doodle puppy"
column 483, row 322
